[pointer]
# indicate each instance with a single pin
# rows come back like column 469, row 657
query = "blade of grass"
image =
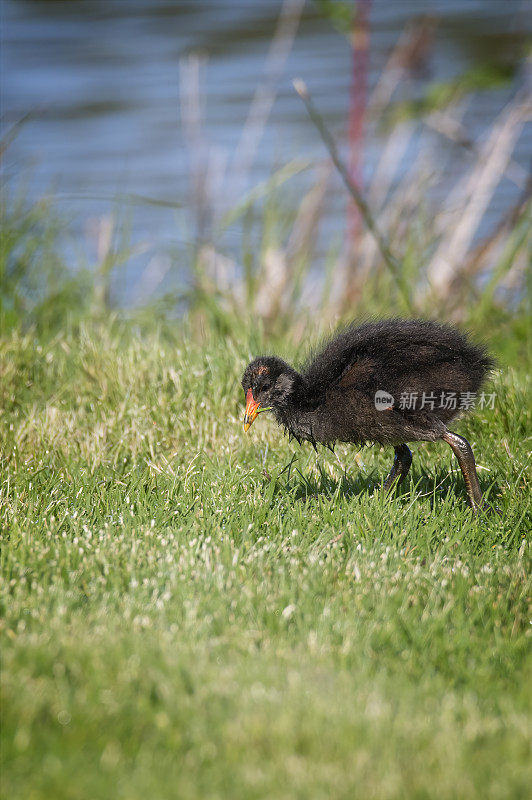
column 393, row 264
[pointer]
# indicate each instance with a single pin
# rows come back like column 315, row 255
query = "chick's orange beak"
column 252, row 409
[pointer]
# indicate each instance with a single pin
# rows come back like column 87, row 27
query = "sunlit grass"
column 188, row 611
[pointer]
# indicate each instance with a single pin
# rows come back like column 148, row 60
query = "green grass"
column 191, row 612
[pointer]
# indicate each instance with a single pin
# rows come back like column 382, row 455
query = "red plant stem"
column 357, row 109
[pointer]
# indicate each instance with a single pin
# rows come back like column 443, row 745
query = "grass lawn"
column 188, row 611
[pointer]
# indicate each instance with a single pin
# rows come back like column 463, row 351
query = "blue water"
column 100, row 83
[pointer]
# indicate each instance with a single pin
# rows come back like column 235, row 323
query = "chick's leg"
column 463, row 452
column 401, row 465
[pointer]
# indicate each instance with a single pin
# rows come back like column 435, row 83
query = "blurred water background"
column 133, row 108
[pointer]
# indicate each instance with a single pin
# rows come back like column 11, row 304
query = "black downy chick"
column 389, row 382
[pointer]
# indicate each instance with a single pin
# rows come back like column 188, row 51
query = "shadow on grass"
column 418, row 484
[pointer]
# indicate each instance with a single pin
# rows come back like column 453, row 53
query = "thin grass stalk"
column 409, row 53
column 451, row 128
column 399, row 208
column 389, row 163
column 516, row 242
column 192, row 122
column 360, row 42
column 265, row 94
column 390, row 260
column 478, row 188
